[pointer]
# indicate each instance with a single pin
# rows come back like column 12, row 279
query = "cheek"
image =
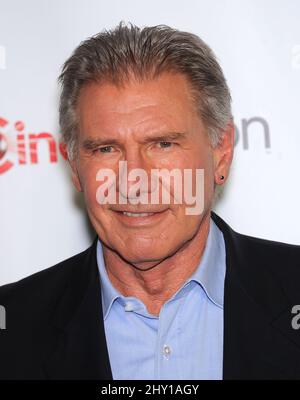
column 90, row 185
column 90, row 189
column 208, row 181
column 207, row 165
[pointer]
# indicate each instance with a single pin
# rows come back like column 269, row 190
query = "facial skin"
column 151, row 124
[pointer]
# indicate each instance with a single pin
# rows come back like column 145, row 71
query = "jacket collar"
column 80, row 350
column 259, row 342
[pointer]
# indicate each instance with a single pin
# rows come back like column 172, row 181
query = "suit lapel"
column 258, row 340
column 80, row 350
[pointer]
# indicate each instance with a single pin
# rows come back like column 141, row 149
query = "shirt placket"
column 168, row 347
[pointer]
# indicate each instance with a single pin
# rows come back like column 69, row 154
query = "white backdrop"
column 258, row 45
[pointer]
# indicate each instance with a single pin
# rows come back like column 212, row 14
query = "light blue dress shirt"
column 186, row 340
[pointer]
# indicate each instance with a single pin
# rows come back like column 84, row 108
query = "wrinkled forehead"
column 165, row 100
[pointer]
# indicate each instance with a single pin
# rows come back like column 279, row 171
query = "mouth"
column 140, row 218
column 135, row 215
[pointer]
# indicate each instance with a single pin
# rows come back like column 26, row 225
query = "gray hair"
column 128, row 51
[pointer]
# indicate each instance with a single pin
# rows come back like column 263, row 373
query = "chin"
column 143, row 254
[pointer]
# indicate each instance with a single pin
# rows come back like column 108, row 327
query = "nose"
column 134, row 176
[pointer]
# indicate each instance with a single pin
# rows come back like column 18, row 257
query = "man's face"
column 150, row 125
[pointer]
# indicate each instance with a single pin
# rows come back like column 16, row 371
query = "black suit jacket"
column 54, row 321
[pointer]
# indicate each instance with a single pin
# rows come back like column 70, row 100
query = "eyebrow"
column 165, row 137
column 92, row 144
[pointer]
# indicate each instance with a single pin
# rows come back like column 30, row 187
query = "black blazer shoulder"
column 256, row 261
column 38, row 288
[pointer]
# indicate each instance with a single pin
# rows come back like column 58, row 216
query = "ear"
column 75, row 174
column 223, row 154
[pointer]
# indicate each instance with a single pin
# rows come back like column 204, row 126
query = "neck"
column 159, row 283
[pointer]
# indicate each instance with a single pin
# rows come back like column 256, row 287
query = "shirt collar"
column 210, row 273
column 108, row 292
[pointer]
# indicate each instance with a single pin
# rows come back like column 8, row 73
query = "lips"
column 130, row 209
column 140, row 217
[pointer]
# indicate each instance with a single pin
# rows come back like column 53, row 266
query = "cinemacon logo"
column 20, row 148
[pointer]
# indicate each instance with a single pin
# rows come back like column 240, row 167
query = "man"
column 162, row 293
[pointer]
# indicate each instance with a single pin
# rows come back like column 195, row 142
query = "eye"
column 165, row 145
column 105, row 149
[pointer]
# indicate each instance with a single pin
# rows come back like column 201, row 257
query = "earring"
column 222, row 177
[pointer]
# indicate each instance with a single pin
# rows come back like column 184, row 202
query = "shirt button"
column 167, row 351
column 129, row 306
